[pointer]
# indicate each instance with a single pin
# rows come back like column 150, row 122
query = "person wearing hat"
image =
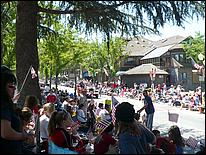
column 12, row 135
column 134, row 137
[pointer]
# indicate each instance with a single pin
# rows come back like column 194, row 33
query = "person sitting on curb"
column 104, row 140
column 134, row 137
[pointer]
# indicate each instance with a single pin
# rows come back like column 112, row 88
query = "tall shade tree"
column 8, row 37
column 195, row 46
column 26, row 47
column 115, row 54
column 125, row 17
column 102, row 59
column 94, row 61
column 56, row 50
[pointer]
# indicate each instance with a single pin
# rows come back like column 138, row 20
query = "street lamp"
column 75, row 84
column 201, row 77
column 152, row 77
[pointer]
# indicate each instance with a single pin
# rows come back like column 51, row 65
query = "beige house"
column 141, row 74
column 167, row 55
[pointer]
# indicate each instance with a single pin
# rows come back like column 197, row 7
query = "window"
column 130, row 61
column 188, row 60
column 177, row 57
column 183, row 76
column 181, row 58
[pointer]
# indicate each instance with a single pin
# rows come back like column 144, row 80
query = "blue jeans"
column 149, row 121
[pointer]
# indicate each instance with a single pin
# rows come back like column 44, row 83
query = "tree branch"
column 40, row 9
column 121, row 3
column 6, row 1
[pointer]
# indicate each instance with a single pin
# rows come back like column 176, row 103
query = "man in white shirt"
column 44, row 120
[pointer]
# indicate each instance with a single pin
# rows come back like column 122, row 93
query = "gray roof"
column 145, row 69
column 139, row 47
column 169, row 41
column 177, row 46
column 157, row 52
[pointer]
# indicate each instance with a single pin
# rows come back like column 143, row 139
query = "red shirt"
column 169, row 146
column 59, row 139
column 103, row 146
column 51, row 98
column 36, row 110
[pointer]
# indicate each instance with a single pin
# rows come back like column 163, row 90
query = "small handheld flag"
column 102, row 125
column 33, row 73
column 191, row 142
column 114, row 104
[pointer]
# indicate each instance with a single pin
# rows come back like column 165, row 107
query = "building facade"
column 166, row 54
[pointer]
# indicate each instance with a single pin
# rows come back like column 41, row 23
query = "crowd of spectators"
column 74, row 122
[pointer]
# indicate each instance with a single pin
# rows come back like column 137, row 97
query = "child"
column 163, row 143
column 176, row 137
column 103, row 141
column 28, row 145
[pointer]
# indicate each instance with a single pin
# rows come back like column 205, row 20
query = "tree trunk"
column 46, row 75
column 56, row 80
column 50, row 78
column 2, row 51
column 26, row 48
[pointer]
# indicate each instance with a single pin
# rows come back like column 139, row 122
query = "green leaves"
column 125, row 17
column 60, row 45
column 195, row 46
column 8, row 31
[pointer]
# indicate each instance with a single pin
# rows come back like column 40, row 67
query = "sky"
column 169, row 30
column 191, row 27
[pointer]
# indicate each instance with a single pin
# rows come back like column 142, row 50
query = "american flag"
column 101, row 125
column 191, row 142
column 114, row 105
column 33, row 73
column 195, row 65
